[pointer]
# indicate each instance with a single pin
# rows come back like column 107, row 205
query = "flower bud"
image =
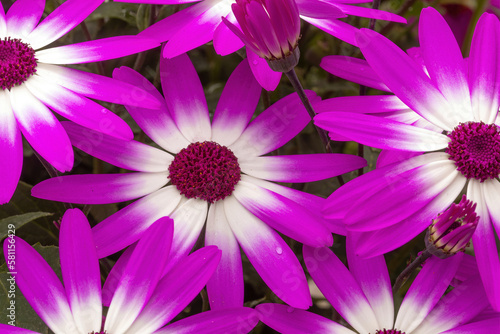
column 269, row 28
column 451, row 231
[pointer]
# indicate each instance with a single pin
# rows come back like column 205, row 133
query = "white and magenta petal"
column 78, row 109
column 271, row 257
column 127, row 225
column 370, row 13
column 229, row 272
column 45, row 294
column 99, row 188
column 185, row 98
column 406, row 79
column 177, row 289
column 426, row 290
column 301, row 168
column 365, row 104
column 23, row 16
column 484, row 243
column 61, row 20
column 484, row 73
column 41, row 129
column 373, row 278
column 11, row 148
column 157, row 124
column 80, row 271
column 445, row 63
column 98, row 87
column 236, row 105
column 132, row 155
column 286, row 319
column 228, row 321
column 97, row 50
column 336, row 28
column 282, row 214
column 274, row 127
column 340, row 288
column 140, row 277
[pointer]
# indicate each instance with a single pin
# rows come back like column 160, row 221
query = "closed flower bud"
column 451, row 231
column 269, row 28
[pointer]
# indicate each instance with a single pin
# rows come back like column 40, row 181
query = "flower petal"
column 484, row 243
column 484, row 75
column 457, row 307
column 301, row 168
column 320, row 9
column 189, row 217
column 3, row 23
column 444, row 61
column 99, row 188
column 96, row 50
column 11, row 148
column 274, row 127
column 373, row 278
column 266, row 77
column 340, row 288
column 140, row 277
column 78, row 109
column 370, row 13
column 227, row 321
column 157, row 124
column 406, row 79
column 127, row 225
column 46, row 293
column 80, row 271
column 64, row 18
column 229, row 272
column 131, row 154
column 480, row 327
column 185, row 98
column 365, row 104
column 225, row 41
column 236, row 105
column 286, row 319
column 353, row 69
column 269, row 254
column 23, row 16
column 41, row 129
column 97, row 86
column 426, row 290
column 402, row 195
column 282, row 214
column 115, row 275
column 199, row 31
column 177, row 289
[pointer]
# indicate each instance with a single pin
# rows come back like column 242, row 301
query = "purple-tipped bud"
column 270, row 28
column 451, row 231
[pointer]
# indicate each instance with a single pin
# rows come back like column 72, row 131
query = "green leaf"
column 19, row 220
column 25, row 316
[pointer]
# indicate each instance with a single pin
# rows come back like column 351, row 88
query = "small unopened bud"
column 270, row 28
column 451, row 231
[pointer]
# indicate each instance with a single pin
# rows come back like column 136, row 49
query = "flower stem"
column 292, row 76
column 411, row 267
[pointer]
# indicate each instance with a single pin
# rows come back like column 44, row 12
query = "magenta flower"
column 144, row 300
column 32, row 84
column 218, row 174
column 202, row 23
column 363, row 297
column 454, row 105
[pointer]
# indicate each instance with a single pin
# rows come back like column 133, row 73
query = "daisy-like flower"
column 218, row 171
column 32, row 84
column 202, row 23
column 455, row 104
column 362, row 295
column 144, row 301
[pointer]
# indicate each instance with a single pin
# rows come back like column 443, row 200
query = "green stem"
column 481, row 6
column 409, row 270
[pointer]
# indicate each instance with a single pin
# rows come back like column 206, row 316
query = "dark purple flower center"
column 17, row 62
column 475, row 148
column 388, row 331
column 205, row 170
